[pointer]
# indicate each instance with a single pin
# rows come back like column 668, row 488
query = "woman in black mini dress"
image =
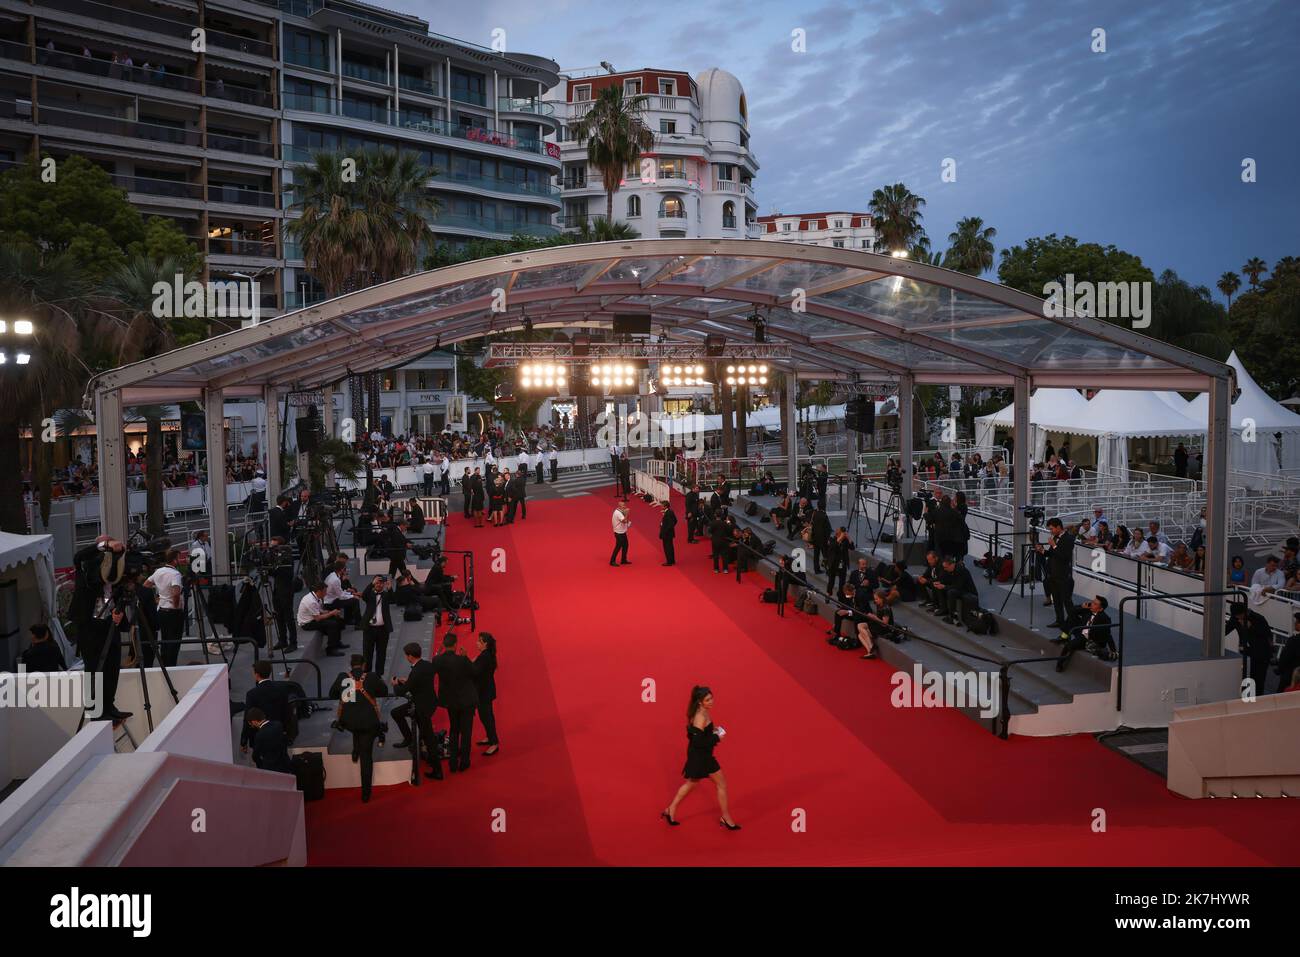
column 701, row 738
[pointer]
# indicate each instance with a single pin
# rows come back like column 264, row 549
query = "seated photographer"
column 314, row 616
column 799, row 518
column 863, row 576
column 889, row 578
column 748, row 550
column 406, row 590
column 436, row 594
column 339, row 594
column 878, row 623
column 1094, row 636
column 787, row 578
column 358, row 693
column 957, row 588
column 931, row 598
column 859, row 602
column 781, row 510
column 269, row 743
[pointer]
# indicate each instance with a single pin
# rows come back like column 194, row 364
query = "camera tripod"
column 1028, row 573
column 139, row 634
column 893, row 506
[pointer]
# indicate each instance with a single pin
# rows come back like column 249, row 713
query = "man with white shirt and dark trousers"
column 377, row 613
column 314, row 616
column 166, row 581
column 338, row 596
column 621, row 521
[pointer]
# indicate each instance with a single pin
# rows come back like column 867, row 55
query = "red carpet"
column 586, row 764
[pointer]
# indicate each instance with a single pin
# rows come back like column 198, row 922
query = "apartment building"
column 206, row 128
column 697, row 181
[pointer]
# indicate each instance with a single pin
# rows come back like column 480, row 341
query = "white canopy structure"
column 28, row 562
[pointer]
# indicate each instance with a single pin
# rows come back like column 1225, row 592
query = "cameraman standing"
column 282, row 596
column 99, row 622
column 1059, row 552
column 166, row 581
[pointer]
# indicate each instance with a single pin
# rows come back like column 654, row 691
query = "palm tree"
column 357, row 229
column 896, row 215
column 1253, row 269
column 616, row 137
column 332, row 455
column 54, row 292
column 602, row 230
column 1228, row 284
column 970, row 246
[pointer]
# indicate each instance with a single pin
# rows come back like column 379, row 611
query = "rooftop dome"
column 722, row 98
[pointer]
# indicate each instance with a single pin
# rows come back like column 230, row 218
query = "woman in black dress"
column 498, row 501
column 485, row 669
column 476, row 498
column 701, row 738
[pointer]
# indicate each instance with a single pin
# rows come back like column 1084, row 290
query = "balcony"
column 521, row 104
column 498, row 185
column 312, row 61
column 101, row 67
column 136, row 21
column 377, row 114
column 728, row 222
column 485, row 224
column 241, row 196
column 233, row 143
column 417, row 84
column 119, row 126
column 221, row 90
column 366, row 72
column 150, row 186
column 472, row 97
column 231, row 246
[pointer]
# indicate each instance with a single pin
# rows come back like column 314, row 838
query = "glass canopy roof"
column 842, row 313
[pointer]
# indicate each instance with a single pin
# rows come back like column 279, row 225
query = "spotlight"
column 22, row 326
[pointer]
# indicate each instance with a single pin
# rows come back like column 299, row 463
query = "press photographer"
column 358, row 693
column 99, row 614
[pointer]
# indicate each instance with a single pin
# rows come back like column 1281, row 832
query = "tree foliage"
column 1265, row 329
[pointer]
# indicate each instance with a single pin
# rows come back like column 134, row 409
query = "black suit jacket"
column 273, row 698
column 692, row 502
column 456, row 690
column 271, row 748
column 821, row 528
column 359, row 714
column 1256, row 639
column 369, row 597
column 278, row 520
column 419, row 684
column 668, row 525
column 485, row 669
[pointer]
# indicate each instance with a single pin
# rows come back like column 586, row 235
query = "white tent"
column 26, row 573
column 1274, row 429
column 1113, row 417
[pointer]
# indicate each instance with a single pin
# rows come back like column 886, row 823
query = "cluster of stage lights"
column 613, row 376
column 541, row 375
column 747, row 375
column 675, row 376
column 20, row 328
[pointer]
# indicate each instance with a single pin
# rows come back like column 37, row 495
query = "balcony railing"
column 240, row 94
column 233, row 41
column 158, row 187
column 521, row 104
column 240, row 144
column 313, row 61
column 365, row 71
column 119, row 126
column 301, row 299
column 728, row 222
column 490, row 225
column 472, row 97
column 499, row 185
column 672, row 214
column 223, row 246
column 417, row 84
column 241, row 195
column 359, row 110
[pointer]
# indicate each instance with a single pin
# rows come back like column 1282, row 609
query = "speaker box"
column 632, row 325
column 860, row 415
column 310, row 431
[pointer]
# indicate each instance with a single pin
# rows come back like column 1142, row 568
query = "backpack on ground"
column 751, row 508
column 768, row 597
column 412, row 612
column 309, row 769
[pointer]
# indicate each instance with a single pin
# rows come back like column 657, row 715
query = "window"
column 672, row 208
column 728, row 215
column 632, row 87
column 839, row 224
column 785, row 227
column 838, row 244
column 672, row 169
column 866, row 244
column 633, row 206
column 469, row 87
column 575, row 176
column 667, row 87
column 582, row 94
column 667, row 126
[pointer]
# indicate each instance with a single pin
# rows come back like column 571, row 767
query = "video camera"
column 263, row 555
column 427, row 551
column 1035, row 514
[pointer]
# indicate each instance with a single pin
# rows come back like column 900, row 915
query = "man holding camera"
column 422, row 698
column 957, row 589
column 377, row 613
column 358, row 693
column 100, row 619
column 1059, row 554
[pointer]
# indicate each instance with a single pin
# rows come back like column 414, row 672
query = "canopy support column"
column 274, row 482
column 215, row 424
column 1217, row 437
column 905, row 454
column 327, row 420
column 791, row 434
column 1020, row 472
column 113, row 510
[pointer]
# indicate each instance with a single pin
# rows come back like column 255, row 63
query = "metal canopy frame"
column 843, row 314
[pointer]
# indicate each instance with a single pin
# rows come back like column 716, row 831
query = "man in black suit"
column 270, row 746
column 668, row 532
column 693, row 514
column 422, row 698
column 864, row 576
column 625, row 474
column 271, row 698
column 720, row 541
column 799, row 517
column 358, row 693
column 1255, row 640
column 466, row 483
column 457, row 693
column 43, row 653
column 377, row 623
column 957, row 589
column 859, row 602
column 931, row 597
column 282, row 598
column 821, row 479
column 517, row 493
column 99, row 567
column 1060, row 571
column 821, row 537
column 1095, row 634
column 279, row 518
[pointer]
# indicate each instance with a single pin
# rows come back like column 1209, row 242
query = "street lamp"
column 16, row 341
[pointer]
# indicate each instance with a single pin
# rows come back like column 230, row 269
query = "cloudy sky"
column 1141, row 146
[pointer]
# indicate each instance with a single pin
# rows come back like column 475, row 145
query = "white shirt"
column 1161, row 552
column 378, row 617
column 1161, row 537
column 259, row 484
column 309, row 608
column 621, row 521
column 444, row 467
column 334, row 588
column 1264, row 580
column 1095, row 528
column 428, row 468
column 164, row 580
column 552, row 455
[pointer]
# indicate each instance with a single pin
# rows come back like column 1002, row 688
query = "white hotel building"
column 701, row 181
column 840, row 230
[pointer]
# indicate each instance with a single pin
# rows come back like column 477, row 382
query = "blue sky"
column 1140, row 146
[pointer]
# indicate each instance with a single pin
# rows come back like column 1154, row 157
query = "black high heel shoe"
column 668, row 817
column 729, row 827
